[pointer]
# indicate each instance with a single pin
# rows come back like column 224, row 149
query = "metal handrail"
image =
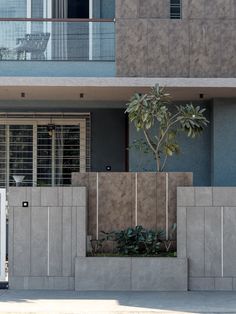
column 3, row 19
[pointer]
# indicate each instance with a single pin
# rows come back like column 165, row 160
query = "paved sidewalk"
column 116, row 302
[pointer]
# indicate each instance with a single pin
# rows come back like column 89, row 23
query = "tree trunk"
column 158, row 161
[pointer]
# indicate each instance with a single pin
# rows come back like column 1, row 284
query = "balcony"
column 57, row 40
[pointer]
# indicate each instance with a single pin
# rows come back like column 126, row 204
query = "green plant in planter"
column 151, row 113
column 138, row 241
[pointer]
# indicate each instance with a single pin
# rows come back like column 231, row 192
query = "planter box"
column 131, row 274
column 125, row 199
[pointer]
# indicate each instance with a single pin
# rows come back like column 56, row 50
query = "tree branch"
column 164, row 163
column 164, row 134
column 148, row 138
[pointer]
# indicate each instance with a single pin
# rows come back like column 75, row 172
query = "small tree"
column 151, row 114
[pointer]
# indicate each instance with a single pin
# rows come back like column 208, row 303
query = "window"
column 78, row 9
column 175, row 9
column 45, row 150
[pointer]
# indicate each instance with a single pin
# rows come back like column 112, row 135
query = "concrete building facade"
column 68, row 68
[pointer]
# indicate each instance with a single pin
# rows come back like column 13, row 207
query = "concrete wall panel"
column 153, row 9
column 210, row 240
column 160, row 200
column 189, row 47
column 67, row 262
column 157, row 274
column 39, row 241
column 21, row 241
column 92, row 204
column 120, row 200
column 73, row 236
column 115, row 204
column 219, row 9
column 178, row 43
column 213, row 48
column 126, row 273
column 175, row 179
column 197, row 52
column 147, row 210
column 55, row 241
column 44, row 240
column 228, row 41
column 103, row 274
column 131, row 40
column 195, row 241
column 158, row 49
column 192, row 9
column 127, row 8
column 229, row 242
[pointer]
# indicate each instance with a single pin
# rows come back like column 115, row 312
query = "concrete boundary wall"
column 206, row 235
column 131, row 274
column 46, row 237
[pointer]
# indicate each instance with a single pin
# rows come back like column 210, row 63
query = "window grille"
column 175, row 9
column 43, row 148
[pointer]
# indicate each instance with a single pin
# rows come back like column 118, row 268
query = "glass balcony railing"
column 57, row 40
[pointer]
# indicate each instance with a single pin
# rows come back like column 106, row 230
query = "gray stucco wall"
column 206, row 219
column 150, row 44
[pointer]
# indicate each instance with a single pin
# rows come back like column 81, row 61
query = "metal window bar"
column 175, row 9
column 20, row 144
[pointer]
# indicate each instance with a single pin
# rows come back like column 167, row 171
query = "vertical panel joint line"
column 136, row 198
column 48, row 268
column 222, row 241
column 167, row 206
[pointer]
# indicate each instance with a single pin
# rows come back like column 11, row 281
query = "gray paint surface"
column 131, row 274
column 206, row 235
column 45, row 237
column 223, row 142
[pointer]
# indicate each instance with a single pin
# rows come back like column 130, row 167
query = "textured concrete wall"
column 206, row 235
column 45, row 237
column 202, row 44
column 131, row 273
column 121, row 200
